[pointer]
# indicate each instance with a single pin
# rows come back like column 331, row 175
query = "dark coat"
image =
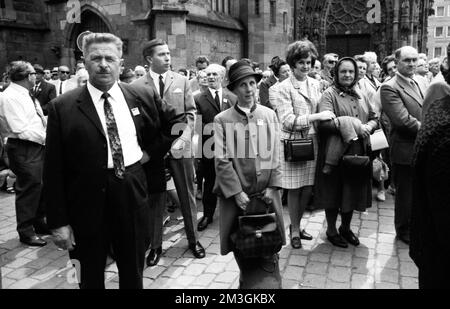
column 403, row 105
column 264, row 91
column 208, row 109
column 341, row 190
column 45, row 93
column 430, row 214
column 75, row 166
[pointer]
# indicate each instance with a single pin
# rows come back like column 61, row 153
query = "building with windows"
column 46, row 31
column 439, row 29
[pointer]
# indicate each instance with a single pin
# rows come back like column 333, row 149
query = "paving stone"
column 368, row 242
column 224, row 258
column 6, row 282
column 290, row 284
column 408, row 269
column 403, row 255
column 387, row 249
column 386, row 275
column 213, row 249
column 315, row 281
column 337, row 285
column 19, row 262
column 232, row 266
column 363, row 265
column 204, row 279
column 50, row 283
column 314, row 226
column 339, row 274
column 319, row 257
column 219, row 286
column 39, row 263
column 369, row 216
column 386, row 238
column 20, row 273
column 387, row 228
column 297, row 260
column 367, row 233
column 26, row 283
column 227, row 277
column 387, row 261
column 293, row 273
column 173, row 272
column 341, row 258
column 154, row 272
column 215, row 268
column 359, row 281
column 175, row 252
column 194, row 269
column 316, row 268
column 369, row 224
column 386, row 286
column 386, row 212
column 409, row 283
column 45, row 273
column 184, row 280
column 182, row 262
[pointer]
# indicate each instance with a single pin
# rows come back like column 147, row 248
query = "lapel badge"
column 135, row 111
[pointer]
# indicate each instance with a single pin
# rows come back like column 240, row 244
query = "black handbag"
column 298, row 150
column 258, row 235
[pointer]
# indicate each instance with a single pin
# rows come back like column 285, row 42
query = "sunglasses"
column 32, row 73
column 332, row 61
column 64, row 72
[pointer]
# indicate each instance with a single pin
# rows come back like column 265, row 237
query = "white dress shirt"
column 131, row 150
column 213, row 93
column 19, row 115
column 155, row 77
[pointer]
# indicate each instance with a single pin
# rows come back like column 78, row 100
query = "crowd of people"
column 97, row 155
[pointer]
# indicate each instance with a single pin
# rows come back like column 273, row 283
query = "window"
column 448, row 31
column 211, row 3
column 257, row 7
column 439, row 32
column 217, row 5
column 437, row 52
column 285, row 26
column 273, row 12
column 440, row 11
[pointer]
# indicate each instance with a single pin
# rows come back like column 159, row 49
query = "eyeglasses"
column 332, row 61
column 64, row 72
column 32, row 73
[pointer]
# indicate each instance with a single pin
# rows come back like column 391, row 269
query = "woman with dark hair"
column 344, row 185
column 430, row 215
column 296, row 104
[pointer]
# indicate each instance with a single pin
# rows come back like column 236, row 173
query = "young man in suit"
column 266, row 84
column 209, row 103
column 402, row 99
column 95, row 187
column 43, row 91
column 175, row 91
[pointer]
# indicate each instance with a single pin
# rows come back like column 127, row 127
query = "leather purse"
column 355, row 162
column 298, row 150
column 258, row 235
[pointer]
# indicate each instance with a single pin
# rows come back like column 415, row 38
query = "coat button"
column 258, row 174
column 251, row 116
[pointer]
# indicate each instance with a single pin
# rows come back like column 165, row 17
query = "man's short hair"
column 19, row 70
column 93, row 38
column 225, row 60
column 434, row 61
column 370, row 57
column 398, row 52
column 214, row 67
column 38, row 68
column 150, row 46
column 202, row 59
column 329, row 55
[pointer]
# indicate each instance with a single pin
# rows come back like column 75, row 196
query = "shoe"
column 42, row 228
column 381, row 196
column 203, row 224
column 34, row 241
column 327, row 169
column 404, row 238
column 391, row 190
column 349, row 236
column 154, row 256
column 197, row 250
column 337, row 241
column 10, row 190
column 304, row 235
column 199, row 195
column 296, row 241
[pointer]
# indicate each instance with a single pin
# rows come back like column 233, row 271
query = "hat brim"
column 232, row 85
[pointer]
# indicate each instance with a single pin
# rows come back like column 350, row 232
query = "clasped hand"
column 64, row 238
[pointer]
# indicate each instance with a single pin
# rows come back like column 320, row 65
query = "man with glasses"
column 62, row 84
column 22, row 122
column 329, row 61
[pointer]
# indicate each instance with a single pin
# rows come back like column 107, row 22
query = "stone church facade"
column 45, row 31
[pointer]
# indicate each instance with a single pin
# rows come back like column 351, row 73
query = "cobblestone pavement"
column 379, row 262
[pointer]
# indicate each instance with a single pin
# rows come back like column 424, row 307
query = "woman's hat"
column 240, row 70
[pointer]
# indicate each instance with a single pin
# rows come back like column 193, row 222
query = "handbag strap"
column 258, row 195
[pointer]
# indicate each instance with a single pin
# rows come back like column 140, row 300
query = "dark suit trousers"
column 183, row 176
column 157, row 205
column 209, row 198
column 26, row 161
column 124, row 228
column 403, row 180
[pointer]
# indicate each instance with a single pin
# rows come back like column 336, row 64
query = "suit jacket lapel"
column 409, row 90
column 211, row 100
column 149, row 81
column 87, row 107
column 168, row 82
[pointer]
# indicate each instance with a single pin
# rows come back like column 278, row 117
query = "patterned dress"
column 296, row 101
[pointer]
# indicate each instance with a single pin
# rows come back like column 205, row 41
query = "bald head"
column 215, row 74
column 406, row 58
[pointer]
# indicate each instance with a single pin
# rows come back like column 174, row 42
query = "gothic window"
column 273, row 12
column 257, row 7
column 285, row 26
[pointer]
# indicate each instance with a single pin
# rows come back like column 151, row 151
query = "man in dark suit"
column 43, row 91
column 402, row 99
column 95, row 187
column 209, row 103
column 175, row 91
column 265, row 85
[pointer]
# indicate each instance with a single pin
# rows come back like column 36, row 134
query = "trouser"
column 124, row 228
column 157, row 205
column 183, row 176
column 26, row 162
column 403, row 180
column 209, row 198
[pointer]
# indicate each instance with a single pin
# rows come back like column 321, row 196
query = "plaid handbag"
column 258, row 234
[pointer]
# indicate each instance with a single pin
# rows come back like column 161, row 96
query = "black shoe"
column 34, row 241
column 197, row 250
column 404, row 238
column 203, row 224
column 154, row 256
column 349, row 237
column 296, row 242
column 42, row 228
column 337, row 241
column 304, row 235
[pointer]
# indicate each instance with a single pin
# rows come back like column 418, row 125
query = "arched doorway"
column 89, row 21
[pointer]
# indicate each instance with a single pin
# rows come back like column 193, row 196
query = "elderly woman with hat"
column 248, row 172
column 344, row 169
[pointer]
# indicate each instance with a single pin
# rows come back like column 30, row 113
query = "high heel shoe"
column 296, row 241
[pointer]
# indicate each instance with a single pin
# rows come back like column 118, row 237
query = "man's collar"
column 213, row 91
column 155, row 75
column 406, row 78
column 96, row 93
